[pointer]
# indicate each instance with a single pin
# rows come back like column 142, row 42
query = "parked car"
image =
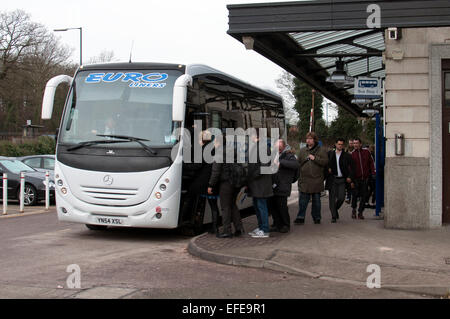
column 40, row 163
column 34, row 181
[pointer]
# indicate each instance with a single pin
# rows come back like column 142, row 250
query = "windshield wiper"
column 138, row 140
column 89, row 143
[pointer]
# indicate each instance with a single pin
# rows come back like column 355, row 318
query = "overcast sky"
column 176, row 31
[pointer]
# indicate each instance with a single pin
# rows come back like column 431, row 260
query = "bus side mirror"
column 49, row 94
column 179, row 97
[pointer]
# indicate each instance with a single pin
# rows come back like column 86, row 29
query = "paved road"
column 35, row 251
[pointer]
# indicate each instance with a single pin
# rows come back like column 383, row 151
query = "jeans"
column 262, row 213
column 303, row 205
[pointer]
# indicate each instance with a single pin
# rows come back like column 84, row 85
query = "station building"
column 406, row 44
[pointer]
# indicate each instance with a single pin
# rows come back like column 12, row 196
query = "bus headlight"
column 163, row 187
column 60, row 182
column 64, row 190
column 158, row 195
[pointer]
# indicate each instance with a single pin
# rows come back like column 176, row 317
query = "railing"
column 21, row 193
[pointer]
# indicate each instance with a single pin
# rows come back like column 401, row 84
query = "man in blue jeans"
column 260, row 188
column 313, row 160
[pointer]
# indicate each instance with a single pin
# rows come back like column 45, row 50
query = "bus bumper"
column 163, row 214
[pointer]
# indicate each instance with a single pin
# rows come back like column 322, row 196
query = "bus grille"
column 110, row 194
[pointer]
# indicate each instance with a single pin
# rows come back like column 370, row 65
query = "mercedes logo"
column 108, row 180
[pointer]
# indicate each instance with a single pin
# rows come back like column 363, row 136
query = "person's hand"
column 349, row 180
column 329, row 170
column 352, row 185
column 311, row 157
column 210, row 191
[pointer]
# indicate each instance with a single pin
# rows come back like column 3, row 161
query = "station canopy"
column 309, row 39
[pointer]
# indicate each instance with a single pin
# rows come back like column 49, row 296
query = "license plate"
column 110, row 221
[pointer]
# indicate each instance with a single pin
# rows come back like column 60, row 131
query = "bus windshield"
column 128, row 103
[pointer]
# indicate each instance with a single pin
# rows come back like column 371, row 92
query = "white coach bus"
column 113, row 159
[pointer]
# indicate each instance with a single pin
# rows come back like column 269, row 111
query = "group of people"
column 340, row 169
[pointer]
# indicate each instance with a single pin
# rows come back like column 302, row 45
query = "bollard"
column 5, row 193
column 47, row 190
column 22, row 190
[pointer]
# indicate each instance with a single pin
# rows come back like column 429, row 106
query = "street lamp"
column 81, row 40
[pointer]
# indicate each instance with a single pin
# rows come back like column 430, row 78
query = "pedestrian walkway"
column 14, row 210
column 410, row 260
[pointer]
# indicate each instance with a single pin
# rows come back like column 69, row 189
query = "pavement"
column 416, row 261
column 13, row 210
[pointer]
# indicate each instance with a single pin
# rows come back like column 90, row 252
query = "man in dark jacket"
column 313, row 161
column 282, row 187
column 341, row 169
column 222, row 179
column 260, row 189
column 364, row 168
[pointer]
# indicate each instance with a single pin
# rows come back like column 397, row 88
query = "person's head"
column 254, row 135
column 110, row 122
column 311, row 139
column 350, row 144
column 281, row 144
column 357, row 143
column 204, row 137
column 339, row 144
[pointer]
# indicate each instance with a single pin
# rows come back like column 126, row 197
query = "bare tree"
column 29, row 56
column 285, row 84
column 103, row 57
column 17, row 36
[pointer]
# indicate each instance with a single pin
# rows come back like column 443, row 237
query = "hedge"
column 43, row 145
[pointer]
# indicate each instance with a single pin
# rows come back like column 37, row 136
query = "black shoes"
column 299, row 221
column 317, row 221
column 360, row 216
column 238, row 233
column 274, row 229
column 334, row 221
column 284, row 229
column 224, row 235
column 354, row 214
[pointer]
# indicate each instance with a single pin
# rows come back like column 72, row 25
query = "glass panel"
column 49, row 163
column 447, row 80
column 216, row 120
column 131, row 103
column 447, row 98
column 33, row 162
column 15, row 166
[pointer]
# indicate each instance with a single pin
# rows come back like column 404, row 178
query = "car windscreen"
column 15, row 166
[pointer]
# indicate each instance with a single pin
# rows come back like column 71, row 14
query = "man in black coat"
column 341, row 168
column 282, row 187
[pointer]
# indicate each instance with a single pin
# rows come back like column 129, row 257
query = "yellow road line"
column 27, row 214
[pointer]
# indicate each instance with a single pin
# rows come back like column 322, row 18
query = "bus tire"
column 96, row 227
